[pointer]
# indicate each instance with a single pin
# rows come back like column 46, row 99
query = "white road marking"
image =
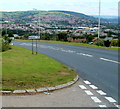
column 87, row 82
column 85, row 54
column 88, row 92
column 102, row 106
column 95, row 99
column 82, row 87
column 116, row 105
column 110, row 60
column 89, row 55
column 110, row 99
column 93, row 87
column 101, row 92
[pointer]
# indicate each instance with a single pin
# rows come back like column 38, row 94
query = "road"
column 99, row 66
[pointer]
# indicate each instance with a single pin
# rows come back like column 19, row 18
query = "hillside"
column 52, row 22
column 51, row 17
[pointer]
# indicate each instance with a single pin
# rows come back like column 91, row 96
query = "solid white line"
column 88, row 92
column 95, row 99
column 87, row 82
column 110, row 60
column 93, row 87
column 82, row 87
column 102, row 106
column 101, row 92
column 110, row 99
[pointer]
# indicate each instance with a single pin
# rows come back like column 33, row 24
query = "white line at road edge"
column 93, row 87
column 87, row 82
column 95, row 99
column 102, row 106
column 110, row 60
column 110, row 99
column 101, row 92
column 88, row 92
column 82, row 87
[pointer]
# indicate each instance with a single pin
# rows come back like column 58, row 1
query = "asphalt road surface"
column 99, row 66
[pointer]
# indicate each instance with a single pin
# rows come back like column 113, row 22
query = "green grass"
column 78, row 44
column 22, row 70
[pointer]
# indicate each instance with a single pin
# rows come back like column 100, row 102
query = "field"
column 22, row 70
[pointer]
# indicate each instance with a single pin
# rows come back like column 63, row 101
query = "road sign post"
column 32, row 46
column 34, row 38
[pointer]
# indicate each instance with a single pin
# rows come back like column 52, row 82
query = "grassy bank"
column 76, row 44
column 22, row 70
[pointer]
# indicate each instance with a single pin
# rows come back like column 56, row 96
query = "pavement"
column 74, row 96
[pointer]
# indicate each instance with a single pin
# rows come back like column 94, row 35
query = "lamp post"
column 99, row 19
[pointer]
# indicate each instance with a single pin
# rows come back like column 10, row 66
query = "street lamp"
column 99, row 19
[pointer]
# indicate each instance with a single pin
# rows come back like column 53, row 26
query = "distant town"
column 54, row 22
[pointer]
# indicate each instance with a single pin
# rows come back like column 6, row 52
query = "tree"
column 10, row 34
column 89, row 38
column 107, row 43
column 62, row 36
column 3, row 32
column 6, row 43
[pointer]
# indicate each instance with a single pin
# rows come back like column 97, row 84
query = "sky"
column 88, row 7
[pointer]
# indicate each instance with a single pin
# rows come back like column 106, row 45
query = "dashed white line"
column 95, row 99
column 93, row 87
column 87, row 82
column 89, row 55
column 82, row 87
column 101, row 92
column 110, row 99
column 117, row 106
column 102, row 106
column 110, row 60
column 88, row 92
column 85, row 54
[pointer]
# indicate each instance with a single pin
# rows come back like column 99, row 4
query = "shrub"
column 6, row 43
column 107, row 43
column 114, row 43
column 100, row 43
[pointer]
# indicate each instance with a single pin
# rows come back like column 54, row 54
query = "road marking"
column 102, row 106
column 101, row 92
column 93, row 87
column 110, row 60
column 87, row 82
column 82, row 87
column 116, row 105
column 110, row 99
column 95, row 99
column 88, row 92
column 85, row 54
column 89, row 55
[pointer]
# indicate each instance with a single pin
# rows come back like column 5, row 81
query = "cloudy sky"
column 89, row 7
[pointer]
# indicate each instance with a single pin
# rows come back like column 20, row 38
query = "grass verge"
column 22, row 70
column 76, row 44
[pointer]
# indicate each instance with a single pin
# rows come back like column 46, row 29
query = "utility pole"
column 99, row 19
column 39, row 29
